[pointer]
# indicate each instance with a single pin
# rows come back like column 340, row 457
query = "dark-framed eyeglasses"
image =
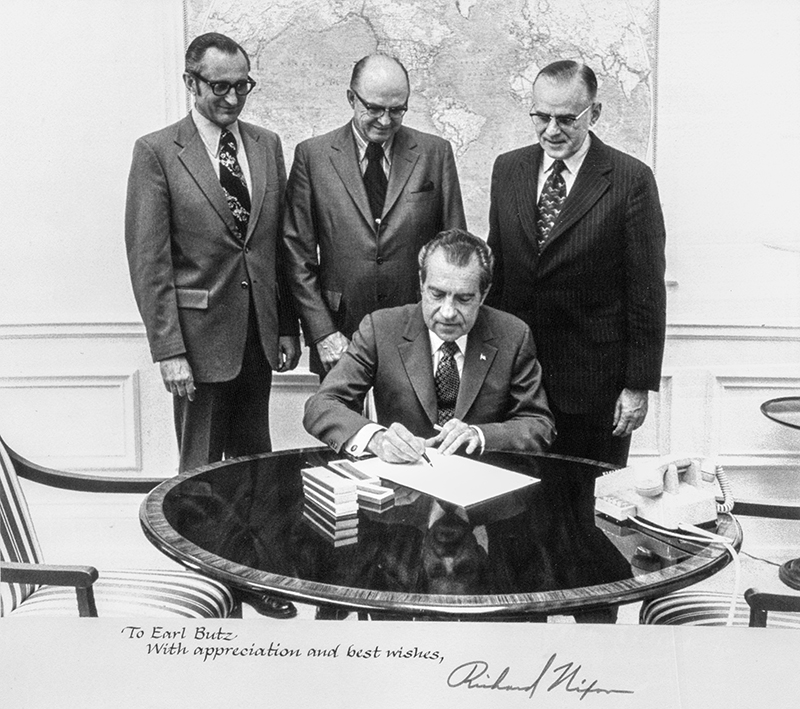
column 222, row 88
column 375, row 111
column 542, row 120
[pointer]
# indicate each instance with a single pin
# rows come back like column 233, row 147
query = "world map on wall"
column 471, row 63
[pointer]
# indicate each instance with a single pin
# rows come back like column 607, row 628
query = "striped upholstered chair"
column 754, row 609
column 29, row 587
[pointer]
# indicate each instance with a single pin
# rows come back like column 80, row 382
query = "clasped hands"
column 397, row 444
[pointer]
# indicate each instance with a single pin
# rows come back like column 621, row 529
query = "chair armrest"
column 772, row 601
column 49, row 574
column 772, row 510
column 81, row 578
column 77, row 481
column 760, row 603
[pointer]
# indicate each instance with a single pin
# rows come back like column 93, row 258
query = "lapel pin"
column 483, row 356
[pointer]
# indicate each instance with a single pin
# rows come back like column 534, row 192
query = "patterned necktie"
column 375, row 179
column 232, row 180
column 446, row 381
column 553, row 195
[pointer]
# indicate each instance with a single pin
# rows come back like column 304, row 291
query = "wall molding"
column 135, row 328
column 120, row 389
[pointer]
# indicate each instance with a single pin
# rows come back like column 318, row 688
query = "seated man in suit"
column 486, row 392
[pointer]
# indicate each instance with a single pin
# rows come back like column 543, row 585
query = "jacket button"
column 379, row 260
column 245, row 285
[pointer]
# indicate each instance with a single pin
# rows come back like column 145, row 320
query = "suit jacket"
column 342, row 268
column 595, row 297
column 391, row 353
column 193, row 276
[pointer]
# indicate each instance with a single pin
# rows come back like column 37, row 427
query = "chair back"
column 18, row 542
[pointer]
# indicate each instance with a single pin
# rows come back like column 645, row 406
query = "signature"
column 476, row 675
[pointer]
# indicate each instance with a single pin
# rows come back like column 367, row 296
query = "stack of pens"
column 371, row 494
column 331, row 505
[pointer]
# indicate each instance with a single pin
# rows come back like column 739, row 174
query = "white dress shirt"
column 210, row 133
column 361, row 146
column 571, row 166
column 357, row 445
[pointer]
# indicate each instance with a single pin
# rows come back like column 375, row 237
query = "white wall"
column 77, row 387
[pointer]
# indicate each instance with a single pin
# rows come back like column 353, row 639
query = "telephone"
column 668, row 492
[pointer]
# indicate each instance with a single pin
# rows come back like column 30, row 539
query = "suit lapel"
column 193, row 155
column 415, row 354
column 345, row 162
column 477, row 361
column 257, row 159
column 525, row 183
column 589, row 186
column 404, row 158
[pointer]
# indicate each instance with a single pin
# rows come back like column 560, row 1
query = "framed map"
column 471, row 64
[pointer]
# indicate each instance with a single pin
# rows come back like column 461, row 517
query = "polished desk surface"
column 784, row 410
column 538, row 550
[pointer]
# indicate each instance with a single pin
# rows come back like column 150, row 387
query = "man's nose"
column 385, row 120
column 552, row 127
column 448, row 309
column 232, row 98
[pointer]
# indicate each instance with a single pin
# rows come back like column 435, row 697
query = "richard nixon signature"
column 566, row 677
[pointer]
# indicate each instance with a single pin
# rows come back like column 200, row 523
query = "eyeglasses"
column 375, row 111
column 222, row 88
column 542, row 120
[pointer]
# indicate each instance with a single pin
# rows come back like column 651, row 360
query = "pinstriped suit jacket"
column 595, row 297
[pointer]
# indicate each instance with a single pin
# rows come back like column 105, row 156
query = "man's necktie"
column 552, row 199
column 446, row 380
column 375, row 179
column 232, row 180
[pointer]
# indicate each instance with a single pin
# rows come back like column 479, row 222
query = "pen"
column 426, row 459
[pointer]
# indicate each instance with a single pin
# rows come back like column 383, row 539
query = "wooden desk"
column 541, row 550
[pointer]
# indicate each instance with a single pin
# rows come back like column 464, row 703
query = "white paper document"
column 461, row 481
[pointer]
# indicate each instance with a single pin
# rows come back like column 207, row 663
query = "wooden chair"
column 29, row 587
column 755, row 609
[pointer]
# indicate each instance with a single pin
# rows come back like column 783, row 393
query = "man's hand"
column 630, row 411
column 454, row 434
column 397, row 445
column 288, row 352
column 331, row 349
column 177, row 376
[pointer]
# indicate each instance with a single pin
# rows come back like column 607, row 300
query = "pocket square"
column 426, row 187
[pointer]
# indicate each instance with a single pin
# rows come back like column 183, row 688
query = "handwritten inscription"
column 213, row 643
column 566, row 677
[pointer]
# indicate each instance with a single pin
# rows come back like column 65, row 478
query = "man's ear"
column 190, row 82
column 596, row 109
column 351, row 98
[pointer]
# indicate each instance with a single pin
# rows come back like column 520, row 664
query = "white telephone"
column 668, row 492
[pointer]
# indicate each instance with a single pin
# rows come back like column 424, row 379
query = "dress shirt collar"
column 436, row 343
column 572, row 163
column 361, row 146
column 210, row 132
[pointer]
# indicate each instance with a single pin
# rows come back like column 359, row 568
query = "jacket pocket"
column 196, row 298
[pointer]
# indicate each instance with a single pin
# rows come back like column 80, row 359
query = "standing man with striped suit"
column 578, row 236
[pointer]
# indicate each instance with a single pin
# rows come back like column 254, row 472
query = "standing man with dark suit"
column 202, row 229
column 578, row 234
column 361, row 201
column 446, row 372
